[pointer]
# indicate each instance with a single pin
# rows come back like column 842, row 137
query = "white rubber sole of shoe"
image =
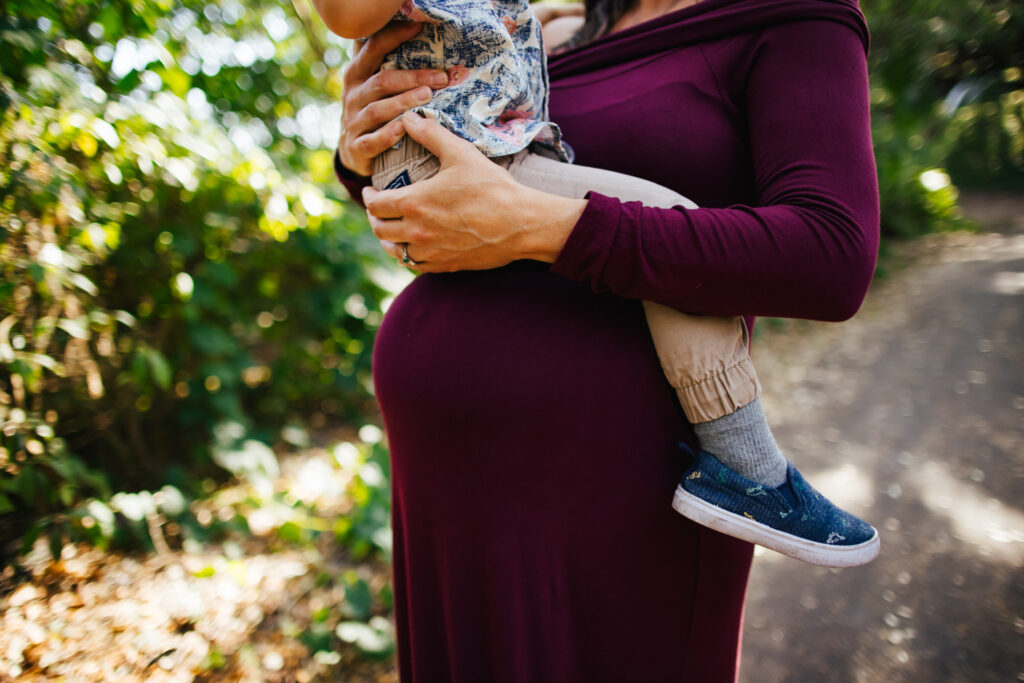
column 731, row 524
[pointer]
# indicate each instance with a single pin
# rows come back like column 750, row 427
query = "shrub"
column 174, row 251
column 944, row 77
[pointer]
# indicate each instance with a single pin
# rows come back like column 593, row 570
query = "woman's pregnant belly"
column 517, row 382
column 533, row 449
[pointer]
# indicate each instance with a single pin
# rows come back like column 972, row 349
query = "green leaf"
column 213, row 340
column 134, row 506
column 341, row 527
column 83, row 283
column 374, row 639
column 56, row 541
column 77, row 328
column 103, row 515
column 214, row 659
column 317, row 638
column 291, row 532
column 110, row 19
column 31, row 536
column 67, row 494
column 125, row 318
column 140, row 369
column 38, row 359
column 160, row 369
column 176, row 80
column 22, row 39
column 5, row 504
column 172, row 502
column 358, row 599
column 26, row 483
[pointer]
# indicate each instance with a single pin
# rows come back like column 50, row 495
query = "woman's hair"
column 599, row 16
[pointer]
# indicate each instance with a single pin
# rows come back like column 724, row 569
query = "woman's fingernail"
column 424, row 94
column 438, row 79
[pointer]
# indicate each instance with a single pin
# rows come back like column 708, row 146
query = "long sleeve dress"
column 533, row 435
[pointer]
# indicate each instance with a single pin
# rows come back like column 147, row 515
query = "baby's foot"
column 799, row 522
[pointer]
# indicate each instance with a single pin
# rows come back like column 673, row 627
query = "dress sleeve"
column 353, row 182
column 808, row 247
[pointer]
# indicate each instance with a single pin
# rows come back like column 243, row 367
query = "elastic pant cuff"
column 721, row 393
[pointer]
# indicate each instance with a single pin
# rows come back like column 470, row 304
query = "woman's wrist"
column 548, row 224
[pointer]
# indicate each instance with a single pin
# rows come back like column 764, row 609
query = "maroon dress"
column 533, row 435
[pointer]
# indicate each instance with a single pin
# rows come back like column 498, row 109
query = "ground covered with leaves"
column 278, row 600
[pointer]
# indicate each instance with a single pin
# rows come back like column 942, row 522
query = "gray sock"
column 744, row 442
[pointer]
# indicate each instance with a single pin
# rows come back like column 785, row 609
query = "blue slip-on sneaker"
column 813, row 530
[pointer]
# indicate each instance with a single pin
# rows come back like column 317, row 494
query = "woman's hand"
column 472, row 215
column 373, row 99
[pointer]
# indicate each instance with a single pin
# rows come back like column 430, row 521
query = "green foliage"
column 181, row 282
column 174, row 251
column 946, row 93
column 324, row 499
column 366, row 529
column 374, row 639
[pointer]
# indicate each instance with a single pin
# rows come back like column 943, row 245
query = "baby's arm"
column 356, row 18
column 559, row 30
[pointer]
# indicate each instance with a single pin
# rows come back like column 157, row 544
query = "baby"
column 739, row 483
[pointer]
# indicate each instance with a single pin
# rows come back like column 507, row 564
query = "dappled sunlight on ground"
column 104, row 618
column 994, row 529
column 912, row 416
column 284, row 602
column 847, row 486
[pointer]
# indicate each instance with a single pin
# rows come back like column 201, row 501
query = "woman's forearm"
column 356, row 18
column 806, row 247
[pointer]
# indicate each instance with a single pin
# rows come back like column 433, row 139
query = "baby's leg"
column 706, row 361
column 570, row 180
column 404, row 164
column 704, row 358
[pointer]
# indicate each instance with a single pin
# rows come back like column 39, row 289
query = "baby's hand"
column 548, row 11
column 558, row 22
column 557, row 31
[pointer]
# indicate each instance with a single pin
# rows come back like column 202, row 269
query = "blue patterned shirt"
column 497, row 97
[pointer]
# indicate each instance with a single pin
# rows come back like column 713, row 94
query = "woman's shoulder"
column 728, row 23
column 795, row 18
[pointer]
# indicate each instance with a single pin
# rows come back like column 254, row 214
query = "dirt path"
column 911, row 414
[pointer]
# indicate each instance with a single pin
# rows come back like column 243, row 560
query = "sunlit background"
column 193, row 478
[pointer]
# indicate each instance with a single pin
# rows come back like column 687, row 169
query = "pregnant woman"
column 533, row 435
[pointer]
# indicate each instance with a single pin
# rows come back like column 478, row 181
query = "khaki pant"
column 704, row 358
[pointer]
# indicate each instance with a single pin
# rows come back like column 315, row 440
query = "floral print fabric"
column 498, row 83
